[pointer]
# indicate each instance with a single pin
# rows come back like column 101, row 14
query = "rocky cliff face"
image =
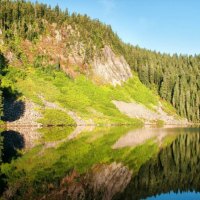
column 111, row 68
column 64, row 46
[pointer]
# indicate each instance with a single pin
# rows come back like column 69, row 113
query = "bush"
column 55, row 117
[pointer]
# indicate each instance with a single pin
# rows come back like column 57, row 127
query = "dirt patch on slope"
column 135, row 110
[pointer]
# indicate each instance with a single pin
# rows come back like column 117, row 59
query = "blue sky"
column 170, row 26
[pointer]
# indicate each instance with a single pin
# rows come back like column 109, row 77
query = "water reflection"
column 87, row 165
column 12, row 142
column 140, row 136
column 1, row 146
column 176, row 168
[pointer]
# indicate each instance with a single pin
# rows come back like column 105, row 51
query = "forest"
column 174, row 77
column 3, row 64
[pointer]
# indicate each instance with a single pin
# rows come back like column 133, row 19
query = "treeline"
column 1, row 104
column 29, row 21
column 175, row 78
column 3, row 65
column 2, row 62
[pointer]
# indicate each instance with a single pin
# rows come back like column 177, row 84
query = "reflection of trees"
column 1, row 155
column 12, row 142
column 177, row 167
column 1, row 146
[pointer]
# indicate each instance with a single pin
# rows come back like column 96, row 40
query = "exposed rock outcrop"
column 65, row 47
column 111, row 68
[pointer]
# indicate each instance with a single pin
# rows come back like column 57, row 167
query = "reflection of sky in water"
column 175, row 196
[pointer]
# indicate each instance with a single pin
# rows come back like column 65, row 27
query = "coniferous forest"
column 174, row 77
column 3, row 64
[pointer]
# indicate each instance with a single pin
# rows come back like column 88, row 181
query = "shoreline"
column 146, row 125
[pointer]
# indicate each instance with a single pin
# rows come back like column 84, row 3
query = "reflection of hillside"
column 1, row 145
column 1, row 152
column 29, row 134
column 140, row 136
column 176, row 167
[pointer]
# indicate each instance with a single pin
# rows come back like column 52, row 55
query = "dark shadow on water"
column 13, row 108
column 12, row 142
column 2, row 183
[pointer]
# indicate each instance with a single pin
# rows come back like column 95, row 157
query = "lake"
column 101, row 163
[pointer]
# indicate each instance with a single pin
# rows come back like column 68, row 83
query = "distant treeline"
column 175, row 78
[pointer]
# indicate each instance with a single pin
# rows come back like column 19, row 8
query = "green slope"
column 80, row 95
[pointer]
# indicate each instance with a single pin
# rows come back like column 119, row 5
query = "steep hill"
column 175, row 78
column 82, row 65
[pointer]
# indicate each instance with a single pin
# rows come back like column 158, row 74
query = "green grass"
column 168, row 108
column 80, row 95
column 160, row 123
column 55, row 133
column 134, row 90
column 55, row 117
column 2, row 123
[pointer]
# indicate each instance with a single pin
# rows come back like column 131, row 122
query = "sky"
column 169, row 26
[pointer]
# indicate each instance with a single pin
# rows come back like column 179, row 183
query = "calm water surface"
column 172, row 173
column 178, row 195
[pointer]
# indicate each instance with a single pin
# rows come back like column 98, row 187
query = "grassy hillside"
column 80, row 95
